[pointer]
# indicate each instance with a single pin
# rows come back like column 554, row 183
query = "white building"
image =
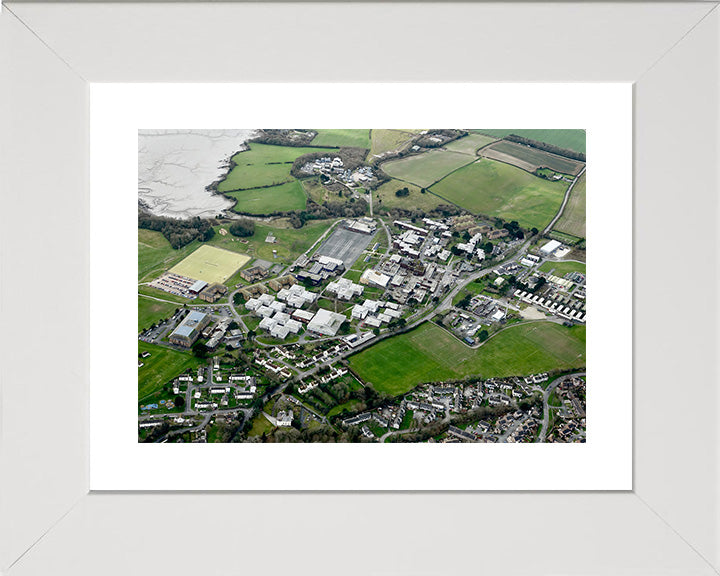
column 284, row 418
column 374, row 278
column 326, row 323
column 550, row 247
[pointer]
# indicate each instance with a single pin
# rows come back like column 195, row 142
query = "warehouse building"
column 550, row 247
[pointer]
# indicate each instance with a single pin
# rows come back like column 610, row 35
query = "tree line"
column 546, row 147
column 178, row 232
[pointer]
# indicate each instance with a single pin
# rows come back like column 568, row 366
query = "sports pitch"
column 210, row 264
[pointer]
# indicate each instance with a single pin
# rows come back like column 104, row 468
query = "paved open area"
column 345, row 245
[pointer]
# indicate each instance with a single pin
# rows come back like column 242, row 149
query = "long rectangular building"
column 189, row 329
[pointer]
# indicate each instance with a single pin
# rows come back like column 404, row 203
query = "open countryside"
column 389, row 285
column 570, row 138
column 425, row 169
column 572, row 220
column 498, row 189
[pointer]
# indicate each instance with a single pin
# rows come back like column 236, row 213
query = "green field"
column 430, row 353
column 262, row 165
column 529, row 158
column 382, row 141
column 562, row 268
column 260, row 426
column 426, row 168
column 497, row 189
column 155, row 255
column 572, row 220
column 262, row 201
column 384, row 197
column 161, row 367
column 210, row 264
column 290, row 242
column 565, row 138
column 470, row 144
column 151, row 311
column 352, row 138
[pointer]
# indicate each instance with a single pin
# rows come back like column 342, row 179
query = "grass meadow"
column 430, row 353
column 151, row 311
column 562, row 268
column 263, row 201
column 382, row 141
column 572, row 220
column 497, row 189
column 351, row 138
column 161, row 367
column 470, row 144
column 426, row 168
column 262, row 165
column 384, row 197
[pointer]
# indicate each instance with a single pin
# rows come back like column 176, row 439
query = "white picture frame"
column 49, row 523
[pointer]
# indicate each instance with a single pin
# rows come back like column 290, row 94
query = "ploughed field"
column 530, row 159
column 498, row 189
column 572, row 139
column 429, row 353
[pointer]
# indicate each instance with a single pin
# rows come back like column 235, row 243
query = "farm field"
column 262, row 165
column 566, row 138
column 470, row 144
column 151, row 311
column 262, row 201
column 497, row 189
column 430, row 353
column 210, row 264
column 572, row 220
column 529, row 158
column 426, row 168
column 382, row 141
column 161, row 367
column 384, row 197
column 562, row 268
column 354, row 138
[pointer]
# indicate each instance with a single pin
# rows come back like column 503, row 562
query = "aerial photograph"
column 362, row 285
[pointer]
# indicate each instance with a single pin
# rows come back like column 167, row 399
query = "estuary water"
column 175, row 167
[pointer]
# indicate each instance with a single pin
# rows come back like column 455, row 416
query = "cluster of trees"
column 285, row 137
column 242, row 228
column 429, row 140
column 178, row 232
column 402, row 192
column 547, row 147
column 330, row 209
column 514, row 229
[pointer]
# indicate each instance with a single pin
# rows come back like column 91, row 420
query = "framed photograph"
column 453, row 394
column 260, row 322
